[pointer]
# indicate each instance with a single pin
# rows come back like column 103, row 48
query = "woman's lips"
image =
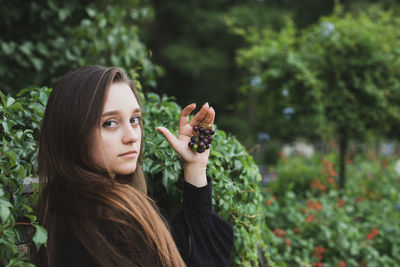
column 129, row 154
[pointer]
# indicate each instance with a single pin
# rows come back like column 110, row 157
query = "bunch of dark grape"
column 202, row 139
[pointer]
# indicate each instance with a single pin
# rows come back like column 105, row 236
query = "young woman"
column 93, row 198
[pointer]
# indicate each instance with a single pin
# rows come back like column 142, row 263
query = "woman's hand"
column 194, row 163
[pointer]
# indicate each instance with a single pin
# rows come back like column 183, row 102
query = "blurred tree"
column 41, row 40
column 340, row 76
column 192, row 42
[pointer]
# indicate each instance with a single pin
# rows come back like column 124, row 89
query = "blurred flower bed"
column 309, row 222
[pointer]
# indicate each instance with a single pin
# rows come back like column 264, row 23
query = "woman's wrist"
column 195, row 174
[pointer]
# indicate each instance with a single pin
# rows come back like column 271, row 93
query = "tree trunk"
column 343, row 143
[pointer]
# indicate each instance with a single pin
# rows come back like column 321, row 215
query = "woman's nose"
column 131, row 134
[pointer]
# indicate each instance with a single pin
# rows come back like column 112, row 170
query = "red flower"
column 360, row 199
column 268, row 202
column 318, row 206
column 315, row 183
column 331, row 180
column 296, row 230
column 318, row 252
column 314, row 205
column 384, row 164
column 372, row 234
column 342, row 264
column 310, row 218
column 340, row 203
column 279, row 232
column 317, row 264
column 288, row 242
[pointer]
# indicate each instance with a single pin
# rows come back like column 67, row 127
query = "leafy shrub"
column 20, row 120
column 303, row 174
column 234, row 174
column 354, row 227
column 236, row 194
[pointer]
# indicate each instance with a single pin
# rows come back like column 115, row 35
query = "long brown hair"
column 89, row 200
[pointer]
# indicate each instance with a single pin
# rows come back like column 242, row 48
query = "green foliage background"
column 42, row 40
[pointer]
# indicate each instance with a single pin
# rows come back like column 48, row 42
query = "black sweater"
column 202, row 237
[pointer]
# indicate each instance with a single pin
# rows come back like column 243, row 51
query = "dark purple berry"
column 195, row 128
column 201, row 145
column 207, row 132
column 202, row 130
column 212, row 132
column 191, row 144
column 205, row 141
column 200, row 150
column 210, row 139
column 207, row 146
column 193, row 139
column 201, row 137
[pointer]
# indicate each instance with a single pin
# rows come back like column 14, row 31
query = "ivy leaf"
column 40, row 236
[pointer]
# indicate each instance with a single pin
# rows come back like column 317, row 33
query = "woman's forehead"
column 120, row 97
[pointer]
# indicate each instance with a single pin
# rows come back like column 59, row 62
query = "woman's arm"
column 203, row 238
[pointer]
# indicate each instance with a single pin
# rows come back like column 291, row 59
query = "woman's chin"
column 125, row 170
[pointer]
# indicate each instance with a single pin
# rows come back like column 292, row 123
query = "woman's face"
column 116, row 145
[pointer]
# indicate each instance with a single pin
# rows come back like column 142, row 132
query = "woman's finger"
column 184, row 118
column 199, row 117
column 210, row 116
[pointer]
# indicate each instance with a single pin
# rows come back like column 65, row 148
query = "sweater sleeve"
column 202, row 237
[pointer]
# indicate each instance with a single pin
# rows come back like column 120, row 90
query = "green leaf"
column 10, row 101
column 44, row 96
column 12, row 158
column 4, row 209
column 156, row 169
column 40, row 236
column 3, row 99
column 37, row 63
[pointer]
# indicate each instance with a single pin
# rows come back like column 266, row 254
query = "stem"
column 343, row 143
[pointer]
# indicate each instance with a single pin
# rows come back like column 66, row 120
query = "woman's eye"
column 135, row 120
column 109, row 124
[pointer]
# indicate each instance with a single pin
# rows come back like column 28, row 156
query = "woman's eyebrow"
column 114, row 112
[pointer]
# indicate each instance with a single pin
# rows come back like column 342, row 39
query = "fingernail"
column 206, row 104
